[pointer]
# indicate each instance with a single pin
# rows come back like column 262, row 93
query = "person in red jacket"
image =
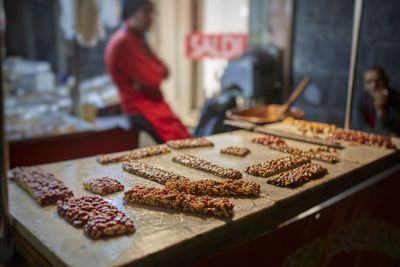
column 138, row 73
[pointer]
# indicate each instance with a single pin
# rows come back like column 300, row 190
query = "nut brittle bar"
column 275, row 166
column 103, row 186
column 41, row 185
column 206, row 166
column 227, row 187
column 131, row 155
column 149, row 172
column 189, row 143
column 298, row 176
column 221, row 207
column 236, row 151
column 267, row 140
column 98, row 217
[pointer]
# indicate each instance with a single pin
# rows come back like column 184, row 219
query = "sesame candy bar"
column 189, row 143
column 206, row 166
column 42, row 186
column 236, row 151
column 131, row 155
column 149, row 172
column 228, row 187
column 276, row 166
column 298, row 176
column 98, row 217
column 103, row 186
column 221, row 207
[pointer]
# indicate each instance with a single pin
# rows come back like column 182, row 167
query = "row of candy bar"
column 181, row 183
column 342, row 134
column 321, row 154
column 311, row 126
column 318, row 154
column 364, row 138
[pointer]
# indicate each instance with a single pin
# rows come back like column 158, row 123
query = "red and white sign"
column 228, row 45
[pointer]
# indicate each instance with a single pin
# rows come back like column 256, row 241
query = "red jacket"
column 138, row 73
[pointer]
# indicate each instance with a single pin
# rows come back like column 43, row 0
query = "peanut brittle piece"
column 189, row 143
column 221, row 207
column 103, row 186
column 227, row 187
column 97, row 216
column 41, row 185
column 236, row 151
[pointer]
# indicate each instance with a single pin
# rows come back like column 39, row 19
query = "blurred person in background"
column 138, row 73
column 377, row 106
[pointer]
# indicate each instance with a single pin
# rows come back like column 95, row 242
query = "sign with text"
column 201, row 45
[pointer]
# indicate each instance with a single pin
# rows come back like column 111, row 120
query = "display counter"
column 167, row 237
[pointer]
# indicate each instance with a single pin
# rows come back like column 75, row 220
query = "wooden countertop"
column 168, row 237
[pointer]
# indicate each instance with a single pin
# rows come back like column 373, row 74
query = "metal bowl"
column 262, row 115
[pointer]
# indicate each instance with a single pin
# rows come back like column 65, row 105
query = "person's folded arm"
column 139, row 67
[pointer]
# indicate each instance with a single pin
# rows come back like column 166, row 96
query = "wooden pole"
column 75, row 93
column 358, row 6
